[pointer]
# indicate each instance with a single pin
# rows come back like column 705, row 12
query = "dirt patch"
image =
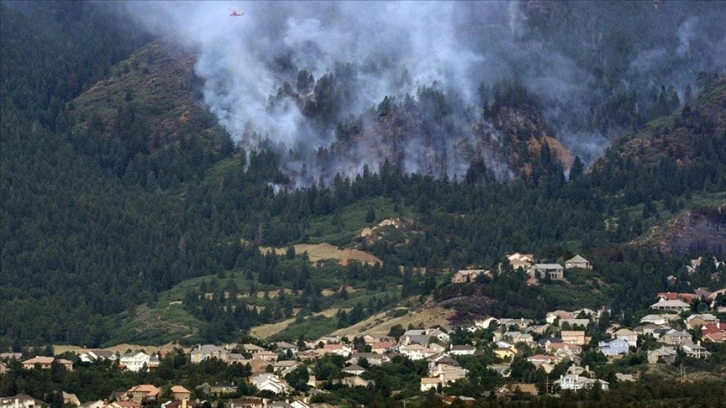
column 328, row 292
column 381, row 323
column 121, row 348
column 272, row 294
column 268, row 330
column 325, row 251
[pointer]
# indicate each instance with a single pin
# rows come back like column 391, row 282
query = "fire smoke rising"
column 394, row 49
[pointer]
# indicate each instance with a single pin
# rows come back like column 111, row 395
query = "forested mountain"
column 119, row 187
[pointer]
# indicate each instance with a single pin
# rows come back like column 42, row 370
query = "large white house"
column 270, row 382
column 135, row 361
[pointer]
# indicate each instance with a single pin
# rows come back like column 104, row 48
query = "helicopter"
column 236, row 13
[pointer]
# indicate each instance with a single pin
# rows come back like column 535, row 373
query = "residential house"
column 523, row 261
column 372, row 358
column 514, row 337
column 438, row 334
column 578, row 382
column 416, row 351
column 353, row 369
column 695, row 320
column 329, row 339
column 484, row 323
column 440, row 360
column 252, row 348
column 284, row 367
column 714, row 332
column 438, row 347
column 135, row 361
column 573, row 323
column 676, row 338
column 462, row 350
column 185, row 403
column 382, row 347
column 656, row 319
column 265, row 355
column 614, row 347
column 505, row 353
column 695, row 350
column 247, row 402
column 285, row 347
column 308, row 355
column 270, row 382
column 220, row 388
column 646, row 329
column 448, row 373
column 70, row 399
column 154, row 362
column 338, row 349
column 257, row 365
column 539, row 359
column 625, row 377
column 369, row 340
column 123, row 404
column 677, row 306
column 237, row 358
column 415, row 337
column 428, row 383
column 460, row 400
column 509, row 390
column 300, row 404
column 551, row 271
column 503, row 370
column 180, row 393
column 563, row 349
column 93, row 404
column 576, row 337
column 467, row 275
column 144, row 394
column 628, row 335
column 355, row 381
column 44, row 362
column 551, row 317
column 97, row 355
column 520, row 323
column 11, row 356
column 539, row 329
column 207, row 352
column 578, row 261
column 686, row 297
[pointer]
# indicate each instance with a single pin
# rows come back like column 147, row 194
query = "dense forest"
column 100, row 216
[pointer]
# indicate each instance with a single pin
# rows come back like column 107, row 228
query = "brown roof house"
column 180, row 393
column 46, row 362
column 144, row 394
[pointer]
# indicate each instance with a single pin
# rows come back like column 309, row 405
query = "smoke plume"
column 396, row 48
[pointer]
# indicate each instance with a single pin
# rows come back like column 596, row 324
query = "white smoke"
column 395, row 48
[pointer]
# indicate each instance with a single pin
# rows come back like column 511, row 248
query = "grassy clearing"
column 352, row 221
column 149, row 326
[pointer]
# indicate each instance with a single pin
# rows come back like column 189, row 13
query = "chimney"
column 184, row 403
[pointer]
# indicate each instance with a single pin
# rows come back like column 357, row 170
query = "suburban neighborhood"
column 566, row 351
